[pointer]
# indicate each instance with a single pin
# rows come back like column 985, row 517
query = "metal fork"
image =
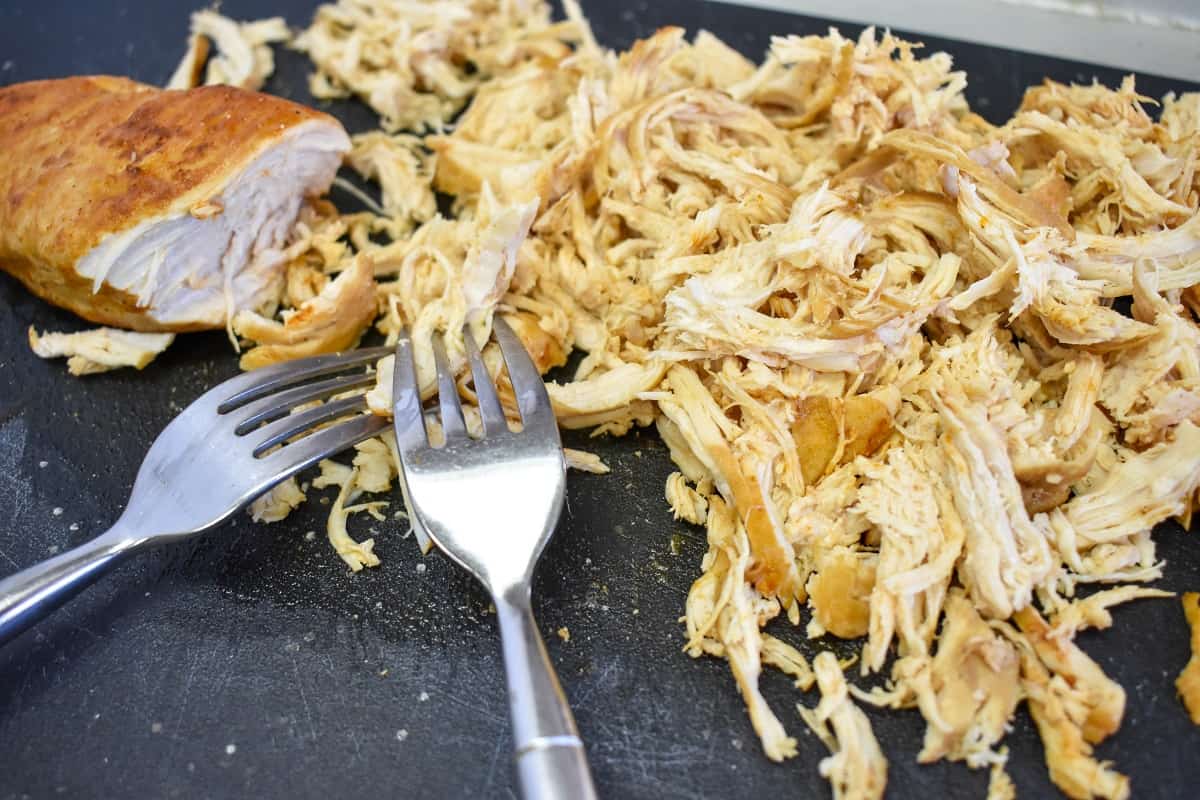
column 491, row 504
column 232, row 444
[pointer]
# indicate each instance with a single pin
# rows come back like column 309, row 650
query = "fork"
column 233, row 443
column 491, row 504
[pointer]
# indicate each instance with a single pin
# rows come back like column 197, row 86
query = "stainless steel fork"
column 232, row 444
column 491, row 504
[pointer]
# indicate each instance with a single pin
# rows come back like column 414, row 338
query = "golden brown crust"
column 89, row 156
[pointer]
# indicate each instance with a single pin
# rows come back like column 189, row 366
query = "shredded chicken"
column 884, row 340
column 972, row 688
column 243, row 55
column 686, row 503
column 190, row 71
column 277, row 503
column 410, row 61
column 856, row 769
column 356, row 554
column 1000, row 785
column 403, row 171
column 100, row 349
column 1060, row 707
column 585, row 462
column 333, row 320
column 1092, row 611
column 724, row 617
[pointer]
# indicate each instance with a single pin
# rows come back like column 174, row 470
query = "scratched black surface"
column 251, row 662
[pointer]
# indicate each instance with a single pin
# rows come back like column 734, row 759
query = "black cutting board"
column 252, row 663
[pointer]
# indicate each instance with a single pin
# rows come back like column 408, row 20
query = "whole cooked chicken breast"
column 155, row 210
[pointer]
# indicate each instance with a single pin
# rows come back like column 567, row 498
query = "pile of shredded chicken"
column 924, row 378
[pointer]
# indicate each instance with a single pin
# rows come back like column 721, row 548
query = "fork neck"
column 512, row 590
column 34, row 592
column 514, row 594
column 129, row 533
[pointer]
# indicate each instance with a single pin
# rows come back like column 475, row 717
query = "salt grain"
column 230, row 749
column 423, row 696
column 57, row 511
column 420, row 568
column 156, row 727
column 401, row 735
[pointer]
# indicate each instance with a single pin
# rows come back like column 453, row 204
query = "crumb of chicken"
column 856, row 768
column 278, row 502
column 100, row 349
column 585, row 462
column 1188, row 682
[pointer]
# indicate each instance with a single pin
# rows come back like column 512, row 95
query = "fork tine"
column 261, row 382
column 453, row 424
column 292, row 425
column 406, row 398
column 322, row 444
column 532, row 399
column 490, row 409
column 275, row 406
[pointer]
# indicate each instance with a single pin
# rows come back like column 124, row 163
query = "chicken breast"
column 155, row 210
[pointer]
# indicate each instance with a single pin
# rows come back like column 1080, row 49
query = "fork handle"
column 34, row 592
column 551, row 761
